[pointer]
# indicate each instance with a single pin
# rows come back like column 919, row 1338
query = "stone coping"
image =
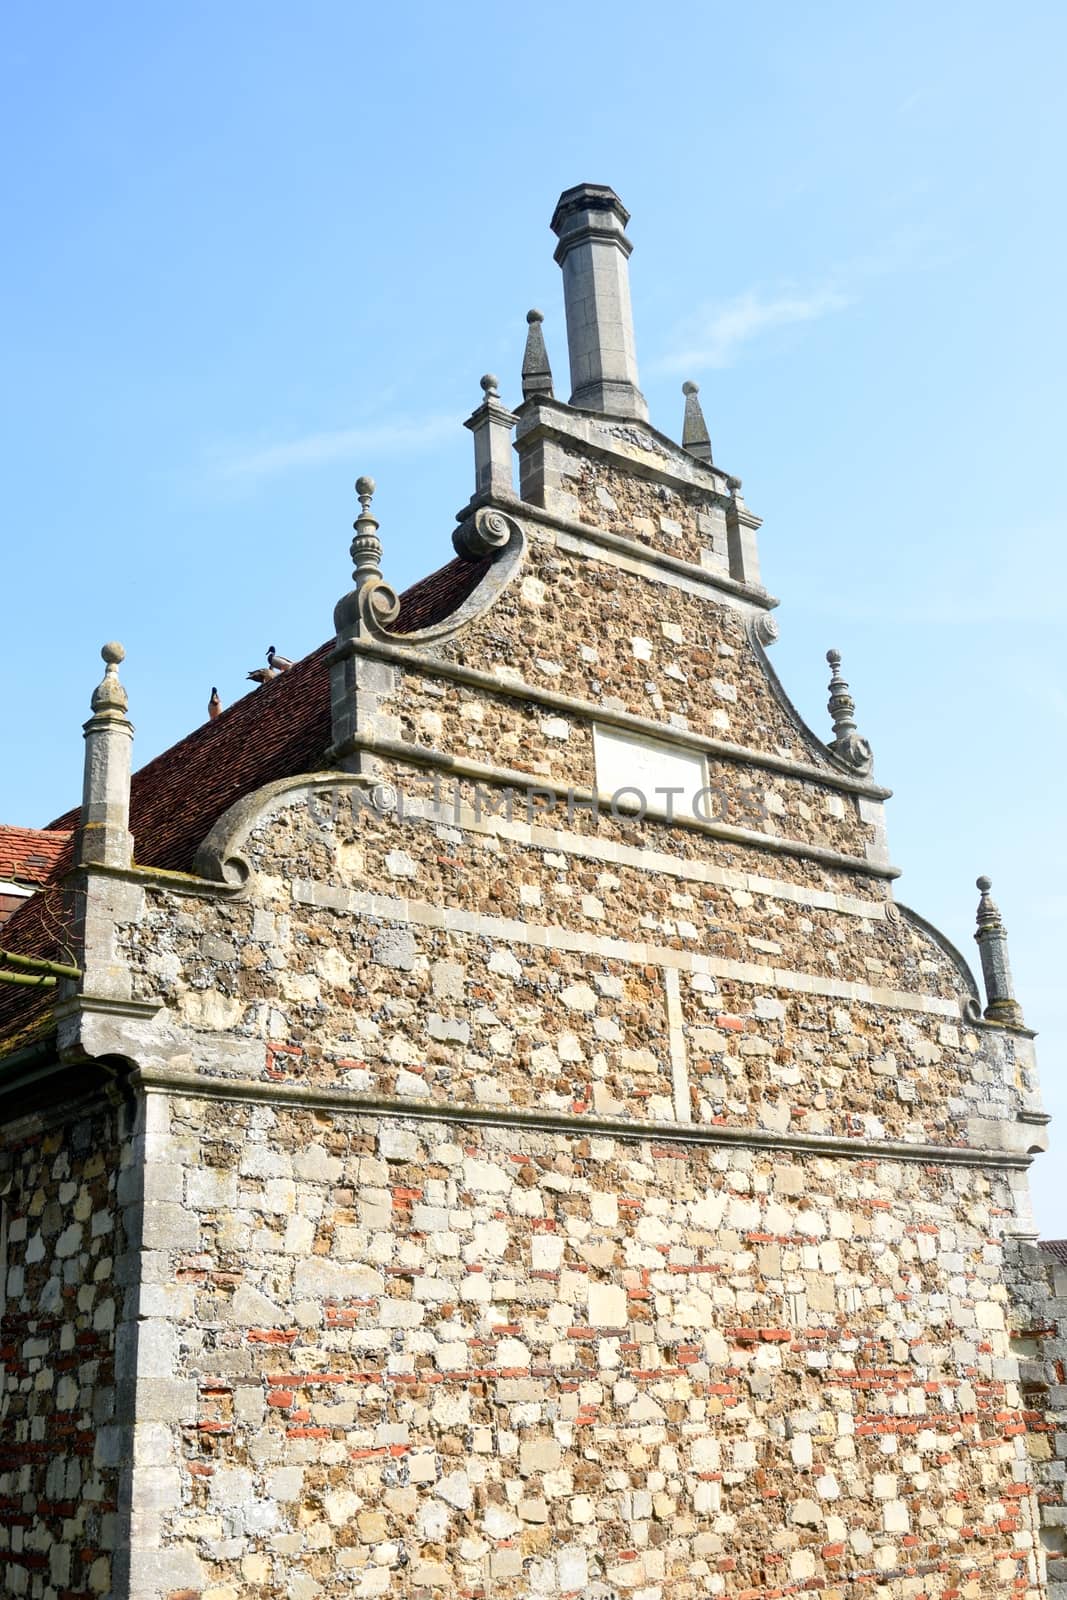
column 603, row 434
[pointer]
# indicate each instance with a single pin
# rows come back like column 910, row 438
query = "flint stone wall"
column 1038, row 1289
column 409, row 957
column 657, row 648
column 554, row 1204
column 66, row 1273
column 445, row 1359
column 544, row 742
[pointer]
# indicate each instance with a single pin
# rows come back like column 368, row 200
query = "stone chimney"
column 593, row 252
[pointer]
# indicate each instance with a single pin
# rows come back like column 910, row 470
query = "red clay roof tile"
column 29, row 855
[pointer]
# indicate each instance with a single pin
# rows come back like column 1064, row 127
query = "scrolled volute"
column 855, row 751
column 488, row 531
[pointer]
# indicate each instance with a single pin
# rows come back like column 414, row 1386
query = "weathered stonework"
column 66, row 1272
column 1038, row 1286
column 657, row 651
column 423, row 960
column 436, row 1357
column 449, row 1178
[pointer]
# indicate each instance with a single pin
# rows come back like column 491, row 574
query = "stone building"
column 476, row 1120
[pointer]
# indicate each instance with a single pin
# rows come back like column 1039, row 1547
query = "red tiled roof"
column 1056, row 1248
column 280, row 729
column 435, row 597
column 29, row 855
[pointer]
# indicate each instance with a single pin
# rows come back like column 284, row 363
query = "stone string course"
column 710, row 1012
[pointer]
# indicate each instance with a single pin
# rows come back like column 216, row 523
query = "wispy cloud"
column 715, row 335
column 248, row 465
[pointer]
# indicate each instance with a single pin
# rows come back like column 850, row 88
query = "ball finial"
column 535, row 316
column 365, row 486
column 689, row 387
column 834, row 657
column 109, row 695
column 984, row 884
column 489, row 383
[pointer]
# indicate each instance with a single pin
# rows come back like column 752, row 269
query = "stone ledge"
column 548, row 936
column 156, row 1080
column 229, row 833
column 654, row 455
column 521, row 689
column 511, row 778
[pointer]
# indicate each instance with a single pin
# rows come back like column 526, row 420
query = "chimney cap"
column 587, row 197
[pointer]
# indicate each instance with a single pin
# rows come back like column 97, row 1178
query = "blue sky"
column 255, row 250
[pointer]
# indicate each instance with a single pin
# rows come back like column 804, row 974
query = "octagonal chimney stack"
column 594, row 252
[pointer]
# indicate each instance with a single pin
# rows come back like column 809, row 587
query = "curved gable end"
column 475, row 1120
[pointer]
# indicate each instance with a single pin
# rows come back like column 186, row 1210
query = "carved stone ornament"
column 483, row 534
column 109, row 695
column 367, row 610
column 378, row 606
column 536, row 371
column 992, row 938
column 855, row 752
column 372, row 600
column 766, row 628
column 847, row 745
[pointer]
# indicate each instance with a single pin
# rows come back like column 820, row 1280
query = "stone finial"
column 992, row 939
column 371, row 603
column 109, row 694
column 695, row 438
column 594, row 252
column 366, row 549
column 846, row 743
column 536, row 372
column 491, row 425
column 988, row 913
column 103, row 833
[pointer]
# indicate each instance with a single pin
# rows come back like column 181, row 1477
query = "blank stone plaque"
column 626, row 762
